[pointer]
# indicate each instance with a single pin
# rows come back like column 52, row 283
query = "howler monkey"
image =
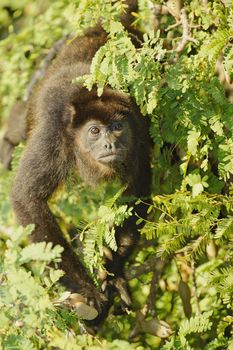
column 71, row 128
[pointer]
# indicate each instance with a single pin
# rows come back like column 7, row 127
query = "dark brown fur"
column 56, row 110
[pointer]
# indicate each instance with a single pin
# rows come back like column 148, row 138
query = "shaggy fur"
column 55, row 112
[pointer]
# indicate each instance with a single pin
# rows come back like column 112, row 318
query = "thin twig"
column 173, row 26
column 172, row 12
column 185, row 27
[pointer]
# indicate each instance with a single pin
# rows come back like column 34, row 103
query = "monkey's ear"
column 69, row 115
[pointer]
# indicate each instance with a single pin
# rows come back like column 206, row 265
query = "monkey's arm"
column 42, row 168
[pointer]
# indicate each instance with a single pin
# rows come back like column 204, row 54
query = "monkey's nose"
column 109, row 146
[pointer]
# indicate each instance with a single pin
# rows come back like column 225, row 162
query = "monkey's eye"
column 117, row 126
column 94, row 130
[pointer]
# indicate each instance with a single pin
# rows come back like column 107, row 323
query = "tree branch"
column 185, row 36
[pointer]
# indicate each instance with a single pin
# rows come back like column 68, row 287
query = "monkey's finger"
column 83, row 310
column 75, row 298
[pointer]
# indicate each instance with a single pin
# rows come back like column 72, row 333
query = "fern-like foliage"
column 101, row 232
column 190, row 214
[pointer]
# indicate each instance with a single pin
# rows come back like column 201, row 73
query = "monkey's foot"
column 154, row 326
column 122, row 288
column 120, row 285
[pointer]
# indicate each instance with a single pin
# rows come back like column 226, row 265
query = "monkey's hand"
column 89, row 303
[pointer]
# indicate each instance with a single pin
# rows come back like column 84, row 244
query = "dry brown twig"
column 172, row 26
column 180, row 16
column 186, row 37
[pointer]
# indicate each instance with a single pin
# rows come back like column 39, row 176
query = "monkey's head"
column 106, row 143
column 105, row 133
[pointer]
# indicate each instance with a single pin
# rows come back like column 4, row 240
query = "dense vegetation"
column 182, row 271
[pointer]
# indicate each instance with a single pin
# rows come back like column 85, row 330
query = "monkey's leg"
column 127, row 238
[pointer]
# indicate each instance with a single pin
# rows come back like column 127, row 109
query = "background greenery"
column 182, row 271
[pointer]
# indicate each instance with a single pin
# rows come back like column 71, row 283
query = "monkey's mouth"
column 111, row 158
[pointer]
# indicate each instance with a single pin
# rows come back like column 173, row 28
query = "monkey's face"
column 108, row 144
